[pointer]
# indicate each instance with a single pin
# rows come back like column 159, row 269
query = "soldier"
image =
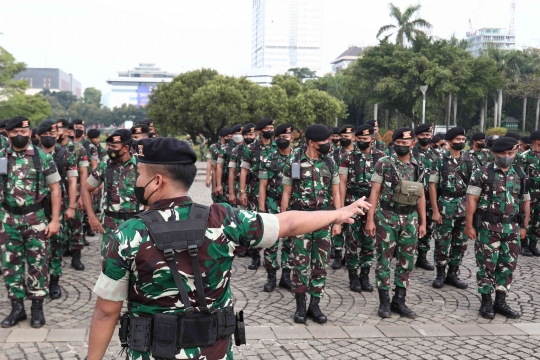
column 213, row 154
column 151, row 127
column 426, row 156
column 94, row 136
column 335, row 138
column 497, row 217
column 397, row 186
column 478, row 154
column 119, row 175
column 249, row 135
column 435, row 143
column 136, row 270
column 67, row 169
column 525, row 145
column 379, row 144
column 311, row 182
column 34, row 138
column 138, row 132
column 190, row 142
column 355, row 171
column 31, row 200
column 224, row 157
column 490, row 140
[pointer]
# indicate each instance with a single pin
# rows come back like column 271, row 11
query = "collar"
column 412, row 160
column 29, row 150
column 171, row 202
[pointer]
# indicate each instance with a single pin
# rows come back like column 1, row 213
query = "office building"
column 54, row 80
column 343, row 61
column 499, row 37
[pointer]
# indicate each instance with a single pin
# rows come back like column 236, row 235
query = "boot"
column 315, row 312
column 37, row 319
column 332, row 253
column 422, row 261
column 66, row 252
column 533, row 248
column 300, row 314
column 354, row 282
column 285, row 282
column 441, row 276
column 500, row 306
column 255, row 261
column 486, row 307
column 453, row 279
column 398, row 303
column 384, row 304
column 76, row 260
column 85, row 242
column 17, row 313
column 271, row 282
column 525, row 250
column 89, row 231
column 337, row 261
column 364, row 280
column 54, row 289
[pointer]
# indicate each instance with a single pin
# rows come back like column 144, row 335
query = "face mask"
column 458, row 146
column 268, row 135
column 114, row 154
column 139, row 193
column 79, row 133
column 35, row 142
column 504, row 161
column 19, row 141
column 362, row 145
column 324, row 148
column 527, row 147
column 238, row 138
column 336, row 141
column 424, row 141
column 401, row 150
column 481, row 145
column 345, row 142
column 249, row 140
column 61, row 138
column 48, row 141
column 283, row 143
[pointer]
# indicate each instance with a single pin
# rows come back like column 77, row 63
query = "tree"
column 8, row 69
column 291, row 84
column 302, row 73
column 65, row 98
column 35, row 107
column 315, row 107
column 406, row 29
column 92, row 96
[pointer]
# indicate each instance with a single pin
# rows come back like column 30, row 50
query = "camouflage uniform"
column 338, row 240
column 151, row 289
column 22, row 237
column 530, row 163
column 224, row 157
column 212, row 155
column 235, row 162
column 479, row 158
column 379, row 145
column 93, row 155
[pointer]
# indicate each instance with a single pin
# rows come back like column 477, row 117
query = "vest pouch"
column 226, row 322
column 408, row 193
column 197, row 330
column 164, row 341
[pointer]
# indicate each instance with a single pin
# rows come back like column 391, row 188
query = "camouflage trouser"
column 24, row 240
column 203, row 152
column 310, row 251
column 424, row 242
column 395, row 233
column 356, row 238
column 109, row 225
column 337, row 242
column 74, row 231
column 271, row 254
column 496, row 260
column 533, row 234
column 56, row 249
column 450, row 241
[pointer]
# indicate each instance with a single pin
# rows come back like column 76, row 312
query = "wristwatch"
column 242, row 191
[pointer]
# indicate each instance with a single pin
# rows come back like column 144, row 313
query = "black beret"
column 70, row 126
column 535, row 135
column 225, row 132
column 93, row 133
column 402, row 133
column 422, row 129
column 372, row 122
column 78, row 122
column 526, row 140
column 318, row 133
column 264, row 123
column 149, row 122
column 248, row 129
column 346, row 129
column 513, row 135
column 504, row 143
column 165, row 151
column 18, row 122
column 453, row 132
column 140, row 128
column 120, row 135
column 284, row 129
column 3, row 123
column 478, row 136
column 435, row 139
column 62, row 123
column 236, row 128
column 46, row 126
column 335, row 130
column 365, row 130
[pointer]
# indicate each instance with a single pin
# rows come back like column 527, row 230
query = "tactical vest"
column 406, row 192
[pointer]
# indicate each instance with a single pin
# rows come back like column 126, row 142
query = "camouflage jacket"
column 224, row 156
column 213, row 152
column 234, row 162
column 3, row 142
column 479, row 158
column 530, row 163
column 272, row 170
column 91, row 150
column 506, row 198
column 314, row 189
column 120, row 194
column 102, row 153
column 135, row 269
column 379, row 145
column 81, row 157
column 249, row 162
column 190, row 143
column 427, row 158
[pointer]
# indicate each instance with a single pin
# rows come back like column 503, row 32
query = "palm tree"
column 406, row 30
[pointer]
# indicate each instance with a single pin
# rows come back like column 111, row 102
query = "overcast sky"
column 94, row 39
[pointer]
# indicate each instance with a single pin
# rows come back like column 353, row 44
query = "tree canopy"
column 406, row 29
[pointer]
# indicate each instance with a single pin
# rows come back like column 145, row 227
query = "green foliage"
column 64, row 98
column 302, row 73
column 496, row 131
column 406, row 30
column 35, row 107
column 92, row 96
column 8, row 69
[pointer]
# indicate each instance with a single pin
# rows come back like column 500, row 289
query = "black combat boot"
column 89, row 232
column 533, row 248
column 300, row 314
column 314, row 311
column 255, row 261
column 285, row 282
column 271, row 282
column 354, row 282
column 441, row 276
column 338, row 261
column 242, row 254
column 525, row 250
column 76, row 260
column 384, row 304
column 486, row 307
column 37, row 318
column 17, row 313
column 398, row 303
column 453, row 279
column 422, row 261
column 500, row 306
column 333, row 253
column 67, row 252
column 85, row 242
column 364, row 280
column 54, row 289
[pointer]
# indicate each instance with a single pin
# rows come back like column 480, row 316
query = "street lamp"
column 423, row 89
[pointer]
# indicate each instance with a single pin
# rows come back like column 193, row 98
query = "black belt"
column 454, row 194
column 400, row 209
column 121, row 215
column 22, row 210
column 498, row 219
column 359, row 193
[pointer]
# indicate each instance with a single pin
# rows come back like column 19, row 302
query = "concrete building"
column 134, row 86
column 47, row 78
column 343, row 61
column 499, row 37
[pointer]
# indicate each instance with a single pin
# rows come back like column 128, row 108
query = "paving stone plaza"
column 447, row 327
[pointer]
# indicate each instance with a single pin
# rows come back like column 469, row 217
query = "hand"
column 370, row 228
column 232, row 199
column 336, row 229
column 470, row 233
column 437, row 218
column 96, row 192
column 346, row 214
column 219, row 189
column 94, row 223
column 522, row 233
column 70, row 213
column 422, row 231
column 243, row 199
column 208, row 182
column 52, row 229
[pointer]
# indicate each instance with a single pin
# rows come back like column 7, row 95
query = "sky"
column 95, row 39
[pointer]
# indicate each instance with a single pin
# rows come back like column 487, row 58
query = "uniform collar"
column 172, row 202
column 412, row 160
column 29, row 150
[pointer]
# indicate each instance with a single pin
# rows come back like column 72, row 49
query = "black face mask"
column 362, row 145
column 35, row 142
column 336, row 141
column 481, row 145
column 324, row 148
column 114, row 155
column 139, row 193
column 424, row 141
column 345, row 142
column 60, row 138
column 458, row 146
column 268, row 135
column 19, row 141
column 283, row 143
column 401, row 150
column 249, row 140
column 79, row 133
column 48, row 141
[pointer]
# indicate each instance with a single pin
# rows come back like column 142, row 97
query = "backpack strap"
column 523, row 180
column 36, row 159
column 59, row 161
column 336, row 154
column 491, row 179
column 330, row 165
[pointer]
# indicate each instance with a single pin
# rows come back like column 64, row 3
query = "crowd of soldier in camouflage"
column 424, row 190
column 52, row 189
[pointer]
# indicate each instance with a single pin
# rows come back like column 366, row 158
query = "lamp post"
column 423, row 89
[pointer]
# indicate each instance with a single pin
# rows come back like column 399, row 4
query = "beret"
column 236, row 128
column 422, row 129
column 120, row 135
column 453, row 132
column 526, row 140
column 165, row 151
column 225, row 132
column 149, row 122
column 140, row 128
column 478, row 136
column 373, row 123
column 3, row 123
column 264, row 123
column 78, row 122
column 513, row 135
column 364, row 130
column 62, row 123
column 318, row 132
column 335, row 130
column 284, row 129
column 70, row 126
column 46, row 126
column 435, row 139
column 402, row 133
column 504, row 143
column 18, row 122
column 535, row 135
column 346, row 129
column 248, row 129
column 93, row 133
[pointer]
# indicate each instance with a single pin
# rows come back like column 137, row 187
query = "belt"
column 121, row 215
column 22, row 210
column 454, row 194
column 400, row 209
column 498, row 219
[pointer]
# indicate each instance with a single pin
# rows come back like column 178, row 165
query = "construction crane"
column 511, row 28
